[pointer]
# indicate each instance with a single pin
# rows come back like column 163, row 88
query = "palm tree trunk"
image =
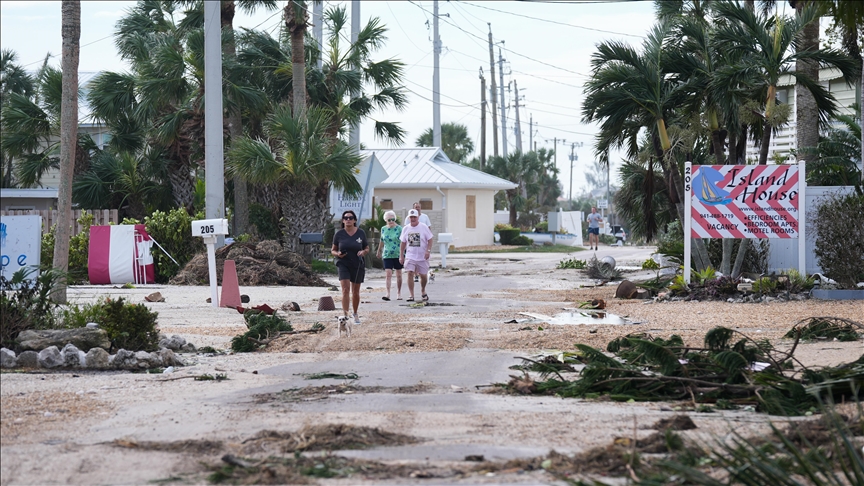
column 766, row 139
column 733, row 147
column 296, row 24
column 739, row 259
column 182, row 185
column 235, row 128
column 806, row 113
column 301, row 212
column 71, row 34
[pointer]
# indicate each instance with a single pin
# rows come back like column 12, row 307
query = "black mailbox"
column 311, row 238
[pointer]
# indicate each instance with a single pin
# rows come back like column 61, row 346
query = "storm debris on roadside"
column 263, row 329
column 732, row 370
column 826, row 328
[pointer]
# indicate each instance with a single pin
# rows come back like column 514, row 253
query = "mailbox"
column 210, row 227
column 445, row 237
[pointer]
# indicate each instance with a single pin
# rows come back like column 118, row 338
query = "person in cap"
column 414, row 252
column 423, row 217
column 349, row 249
column 389, row 251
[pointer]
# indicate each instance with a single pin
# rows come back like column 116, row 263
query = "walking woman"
column 388, row 251
column 349, row 248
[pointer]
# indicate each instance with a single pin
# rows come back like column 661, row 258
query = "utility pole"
column 214, row 160
column 531, row 132
column 503, row 112
column 493, row 94
column 482, row 120
column 354, row 133
column 436, row 80
column 518, row 128
column 572, row 159
column 318, row 30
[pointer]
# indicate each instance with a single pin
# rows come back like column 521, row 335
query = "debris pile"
column 264, row 263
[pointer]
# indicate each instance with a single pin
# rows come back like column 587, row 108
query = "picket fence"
column 101, row 217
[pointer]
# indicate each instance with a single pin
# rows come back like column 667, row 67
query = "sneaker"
column 356, row 320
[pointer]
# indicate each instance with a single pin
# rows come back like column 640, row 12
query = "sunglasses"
column 348, row 218
column 391, row 219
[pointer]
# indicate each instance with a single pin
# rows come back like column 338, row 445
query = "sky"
column 547, row 51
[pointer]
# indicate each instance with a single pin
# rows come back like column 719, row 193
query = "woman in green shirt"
column 388, row 251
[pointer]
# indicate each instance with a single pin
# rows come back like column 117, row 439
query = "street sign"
column 602, row 204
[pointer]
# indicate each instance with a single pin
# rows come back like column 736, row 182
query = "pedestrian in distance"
column 594, row 221
column 414, row 252
column 389, row 250
column 349, row 248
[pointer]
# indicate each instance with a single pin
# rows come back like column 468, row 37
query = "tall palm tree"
column 768, row 48
column 298, row 153
column 835, row 159
column 454, row 140
column 849, row 17
column 520, row 169
column 71, row 36
column 13, row 79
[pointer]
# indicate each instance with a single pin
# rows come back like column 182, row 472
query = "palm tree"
column 768, row 47
column 835, row 159
column 518, row 168
column 454, row 140
column 71, row 35
column 298, row 154
column 848, row 17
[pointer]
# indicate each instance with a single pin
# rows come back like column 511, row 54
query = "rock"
column 290, row 306
column 7, row 358
column 125, row 360
column 83, row 338
column 143, row 359
column 768, row 299
column 92, row 325
column 730, row 300
column 97, row 358
column 244, row 299
column 188, row 348
column 50, row 357
column 155, row 297
column 29, row 359
column 73, row 357
column 154, row 360
column 174, row 343
column 169, row 358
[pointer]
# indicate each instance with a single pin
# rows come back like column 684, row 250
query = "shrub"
column 572, row 263
column 26, row 304
column 765, row 285
column 509, row 235
column 608, row 239
column 502, row 226
column 542, row 227
column 78, row 316
column 173, row 231
column 79, row 250
column 261, row 326
column 839, row 231
column 129, row 326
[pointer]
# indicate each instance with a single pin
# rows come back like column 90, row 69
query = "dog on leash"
column 344, row 325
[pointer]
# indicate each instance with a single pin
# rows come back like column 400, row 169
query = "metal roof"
column 429, row 167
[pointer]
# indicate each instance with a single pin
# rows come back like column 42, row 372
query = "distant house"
column 28, row 199
column 457, row 199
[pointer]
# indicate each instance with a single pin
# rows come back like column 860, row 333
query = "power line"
column 555, row 21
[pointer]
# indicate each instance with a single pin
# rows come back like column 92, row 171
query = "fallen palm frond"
column 822, row 328
column 731, row 370
column 327, row 375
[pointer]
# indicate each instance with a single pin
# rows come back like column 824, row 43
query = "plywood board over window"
column 425, row 205
column 470, row 211
column 386, row 204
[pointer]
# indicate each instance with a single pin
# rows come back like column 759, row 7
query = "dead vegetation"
column 310, row 393
column 324, row 437
column 826, row 328
column 264, row 263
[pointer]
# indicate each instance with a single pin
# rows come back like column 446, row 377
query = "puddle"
column 577, row 317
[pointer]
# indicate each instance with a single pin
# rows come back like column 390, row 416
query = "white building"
column 457, row 199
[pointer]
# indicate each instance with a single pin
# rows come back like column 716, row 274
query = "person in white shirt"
column 414, row 252
column 423, row 218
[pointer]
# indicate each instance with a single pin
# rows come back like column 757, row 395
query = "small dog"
column 344, row 325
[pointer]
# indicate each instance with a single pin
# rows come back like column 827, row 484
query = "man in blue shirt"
column 594, row 221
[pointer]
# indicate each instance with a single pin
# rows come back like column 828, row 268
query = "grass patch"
column 320, row 266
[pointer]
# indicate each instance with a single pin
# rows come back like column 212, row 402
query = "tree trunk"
column 71, row 33
column 726, row 262
column 739, row 259
column 301, row 212
column 717, row 145
column 182, row 184
column 296, row 24
column 235, row 128
column 806, row 113
column 733, row 147
column 511, row 195
column 766, row 139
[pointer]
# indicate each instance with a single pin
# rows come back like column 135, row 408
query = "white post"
column 688, row 189
column 354, row 131
column 210, row 241
column 436, row 80
column 802, row 219
column 318, row 30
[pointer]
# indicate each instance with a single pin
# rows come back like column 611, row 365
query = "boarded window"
column 426, row 205
column 470, row 211
column 386, row 204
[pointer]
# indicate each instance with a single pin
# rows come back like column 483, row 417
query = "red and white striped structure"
column 120, row 254
column 762, row 201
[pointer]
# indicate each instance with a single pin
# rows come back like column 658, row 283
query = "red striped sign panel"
column 745, row 201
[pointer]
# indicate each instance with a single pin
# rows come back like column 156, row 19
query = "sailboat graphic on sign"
column 706, row 187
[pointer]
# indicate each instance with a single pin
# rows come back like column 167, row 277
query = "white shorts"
column 417, row 266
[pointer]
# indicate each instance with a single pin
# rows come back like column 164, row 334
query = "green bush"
column 522, row 240
column 261, row 326
column 542, row 227
column 173, row 230
column 608, row 239
column 839, row 232
column 79, row 250
column 78, row 316
column 502, row 226
column 508, row 235
column 129, row 326
column 26, row 304
column 265, row 222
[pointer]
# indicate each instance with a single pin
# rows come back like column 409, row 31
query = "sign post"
column 688, row 192
column 210, row 230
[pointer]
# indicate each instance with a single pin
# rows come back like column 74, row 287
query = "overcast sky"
column 548, row 48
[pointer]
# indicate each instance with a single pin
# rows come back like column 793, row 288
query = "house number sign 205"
column 208, row 229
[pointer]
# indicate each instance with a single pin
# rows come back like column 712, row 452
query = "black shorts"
column 354, row 274
column 594, row 231
column 392, row 264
